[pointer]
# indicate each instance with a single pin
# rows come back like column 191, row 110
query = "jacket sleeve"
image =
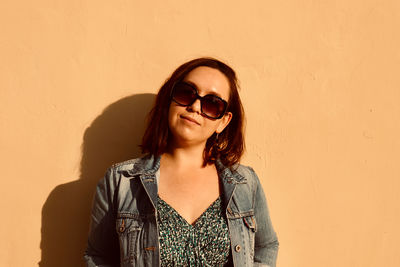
column 103, row 247
column 266, row 241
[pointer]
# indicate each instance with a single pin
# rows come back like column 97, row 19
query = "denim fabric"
column 124, row 230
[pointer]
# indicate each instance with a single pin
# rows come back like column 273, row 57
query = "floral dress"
column 205, row 243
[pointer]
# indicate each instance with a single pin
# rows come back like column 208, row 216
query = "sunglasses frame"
column 201, row 99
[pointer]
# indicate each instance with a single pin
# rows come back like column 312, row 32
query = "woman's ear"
column 224, row 121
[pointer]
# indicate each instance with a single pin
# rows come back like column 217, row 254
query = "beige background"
column 321, row 88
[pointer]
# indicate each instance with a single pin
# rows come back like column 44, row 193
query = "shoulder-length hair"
column 227, row 146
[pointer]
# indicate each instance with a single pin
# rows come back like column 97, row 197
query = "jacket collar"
column 146, row 165
column 230, row 175
column 147, row 168
column 150, row 165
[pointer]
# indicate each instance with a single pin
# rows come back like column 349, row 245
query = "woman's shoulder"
column 244, row 170
column 242, row 174
column 126, row 164
column 145, row 163
column 119, row 174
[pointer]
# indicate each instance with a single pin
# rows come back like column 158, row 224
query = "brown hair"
column 229, row 145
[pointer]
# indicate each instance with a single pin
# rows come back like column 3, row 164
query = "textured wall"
column 320, row 84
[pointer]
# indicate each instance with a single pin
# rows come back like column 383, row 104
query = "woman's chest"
column 190, row 196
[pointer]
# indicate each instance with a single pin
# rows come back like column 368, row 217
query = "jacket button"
column 238, row 248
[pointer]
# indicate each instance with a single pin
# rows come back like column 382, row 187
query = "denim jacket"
column 124, row 229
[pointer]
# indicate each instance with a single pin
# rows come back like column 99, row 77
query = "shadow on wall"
column 113, row 136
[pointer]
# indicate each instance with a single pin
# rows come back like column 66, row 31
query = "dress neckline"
column 212, row 205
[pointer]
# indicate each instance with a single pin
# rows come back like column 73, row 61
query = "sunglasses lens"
column 212, row 106
column 184, row 94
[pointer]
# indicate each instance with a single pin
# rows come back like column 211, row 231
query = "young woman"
column 188, row 201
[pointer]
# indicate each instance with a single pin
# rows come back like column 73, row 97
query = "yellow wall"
column 321, row 88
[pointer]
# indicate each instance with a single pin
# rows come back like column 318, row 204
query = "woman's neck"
column 184, row 157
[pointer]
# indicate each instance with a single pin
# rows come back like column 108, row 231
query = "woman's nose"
column 196, row 106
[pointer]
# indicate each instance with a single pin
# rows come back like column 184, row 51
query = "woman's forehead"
column 209, row 80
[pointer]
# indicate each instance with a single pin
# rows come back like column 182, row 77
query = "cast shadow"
column 112, row 137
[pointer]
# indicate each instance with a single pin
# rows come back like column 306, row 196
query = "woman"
column 188, row 202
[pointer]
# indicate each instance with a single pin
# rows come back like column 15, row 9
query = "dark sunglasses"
column 212, row 106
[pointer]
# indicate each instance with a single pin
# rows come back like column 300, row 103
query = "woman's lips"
column 190, row 119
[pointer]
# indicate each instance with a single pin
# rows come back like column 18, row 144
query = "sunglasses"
column 212, row 106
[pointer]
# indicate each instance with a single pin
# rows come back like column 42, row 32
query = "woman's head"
column 223, row 128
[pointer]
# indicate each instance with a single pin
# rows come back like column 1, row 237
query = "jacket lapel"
column 228, row 180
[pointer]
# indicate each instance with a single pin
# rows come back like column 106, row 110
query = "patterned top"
column 205, row 243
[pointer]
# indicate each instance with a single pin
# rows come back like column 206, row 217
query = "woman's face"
column 186, row 123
